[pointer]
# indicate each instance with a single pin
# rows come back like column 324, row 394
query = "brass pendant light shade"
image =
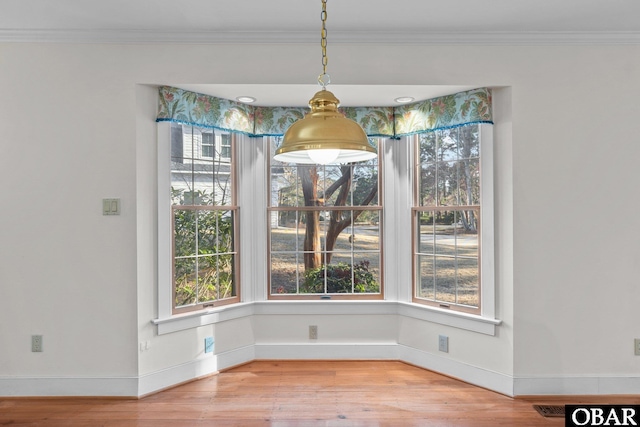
column 325, row 136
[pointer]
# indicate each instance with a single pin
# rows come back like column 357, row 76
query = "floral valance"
column 178, row 105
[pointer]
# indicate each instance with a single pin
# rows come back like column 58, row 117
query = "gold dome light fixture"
column 324, row 135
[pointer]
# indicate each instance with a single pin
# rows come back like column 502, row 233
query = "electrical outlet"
column 636, row 346
column 36, row 343
column 208, row 344
column 443, row 343
column 313, row 332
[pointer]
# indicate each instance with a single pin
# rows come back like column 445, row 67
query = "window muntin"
column 446, row 219
column 203, row 219
column 324, row 230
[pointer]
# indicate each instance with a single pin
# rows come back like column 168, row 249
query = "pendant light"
column 324, row 135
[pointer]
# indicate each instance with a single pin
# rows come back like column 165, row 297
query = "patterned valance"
column 181, row 106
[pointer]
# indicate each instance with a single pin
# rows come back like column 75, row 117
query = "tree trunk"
column 336, row 221
column 311, row 246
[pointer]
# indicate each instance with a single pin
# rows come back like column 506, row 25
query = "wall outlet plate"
column 208, row 344
column 636, row 346
column 36, row 343
column 443, row 343
column 313, row 332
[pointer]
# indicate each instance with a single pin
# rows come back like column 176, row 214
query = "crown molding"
column 297, row 37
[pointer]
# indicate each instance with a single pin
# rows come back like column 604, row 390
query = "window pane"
column 222, row 187
column 207, row 278
column 366, row 272
column 446, row 183
column 445, row 232
column 339, row 240
column 427, row 147
column 226, row 281
column 428, row 195
column 330, row 190
column 207, row 232
column 425, row 229
column 286, row 271
column 366, row 232
column 469, row 182
column 339, row 274
column 445, row 278
column 468, row 282
column 447, row 146
column 313, row 277
column 285, row 187
column 287, row 238
column 184, row 232
column 365, row 185
column 226, row 222
column 425, row 277
column 185, row 283
column 469, row 142
column 466, row 234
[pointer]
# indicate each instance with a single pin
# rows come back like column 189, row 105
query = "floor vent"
column 550, row 410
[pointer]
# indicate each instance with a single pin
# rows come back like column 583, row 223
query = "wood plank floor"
column 299, row 394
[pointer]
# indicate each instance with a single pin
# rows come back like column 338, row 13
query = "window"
column 203, row 220
column 207, row 145
column 447, row 218
column 225, row 146
column 324, row 230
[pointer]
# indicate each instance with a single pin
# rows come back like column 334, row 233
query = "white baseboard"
column 51, row 386
column 491, row 380
column 576, row 385
column 174, row 375
column 159, row 380
column 327, row 351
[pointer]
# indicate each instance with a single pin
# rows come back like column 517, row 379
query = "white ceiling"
column 442, row 16
column 295, row 21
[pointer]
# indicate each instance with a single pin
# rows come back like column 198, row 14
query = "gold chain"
column 323, row 43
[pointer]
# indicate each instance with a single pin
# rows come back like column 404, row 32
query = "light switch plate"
column 110, row 206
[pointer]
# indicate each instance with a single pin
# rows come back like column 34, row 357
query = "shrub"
column 339, row 279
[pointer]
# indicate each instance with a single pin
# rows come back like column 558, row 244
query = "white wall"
column 76, row 126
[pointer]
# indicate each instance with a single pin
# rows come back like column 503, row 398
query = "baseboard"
column 326, row 351
column 170, row 377
column 123, row 386
column 480, row 377
column 51, row 386
column 576, row 385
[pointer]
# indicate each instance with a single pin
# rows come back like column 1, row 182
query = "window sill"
column 470, row 322
column 194, row 319
column 456, row 319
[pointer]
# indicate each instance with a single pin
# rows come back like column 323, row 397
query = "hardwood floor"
column 299, row 394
